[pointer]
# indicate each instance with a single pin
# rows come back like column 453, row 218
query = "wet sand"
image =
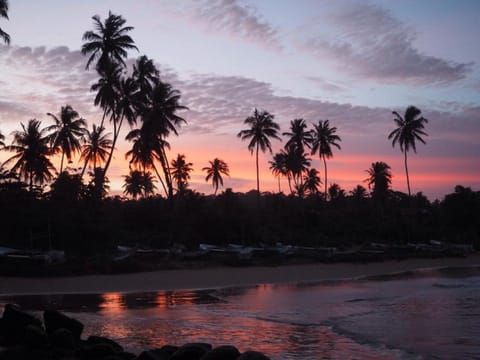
column 215, row 277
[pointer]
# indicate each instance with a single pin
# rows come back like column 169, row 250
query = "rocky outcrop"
column 59, row 337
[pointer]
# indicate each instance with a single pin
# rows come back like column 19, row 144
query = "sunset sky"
column 351, row 62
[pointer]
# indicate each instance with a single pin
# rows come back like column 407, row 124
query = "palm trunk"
column 61, row 162
column 325, row 167
column 406, row 171
column 116, row 132
column 258, row 176
column 84, row 168
column 160, row 178
column 279, row 188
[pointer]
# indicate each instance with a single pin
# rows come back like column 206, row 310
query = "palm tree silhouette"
column 279, row 168
column 4, row 14
column 68, row 130
column 296, row 163
column 2, row 137
column 299, row 136
column 32, row 151
column 262, row 128
column 214, row 172
column 181, row 170
column 323, row 139
column 409, row 129
column 145, row 74
column 108, row 42
column 359, row 193
column 380, row 177
column 160, row 119
column 138, row 183
column 95, row 149
column 312, row 181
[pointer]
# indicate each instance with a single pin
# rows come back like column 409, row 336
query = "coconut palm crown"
column 4, row 14
column 214, row 172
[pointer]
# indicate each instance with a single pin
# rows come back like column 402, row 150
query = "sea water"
column 425, row 314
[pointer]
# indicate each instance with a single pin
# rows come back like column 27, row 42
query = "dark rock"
column 225, row 352
column 96, row 351
column 54, row 320
column 35, row 337
column 192, row 351
column 92, row 340
column 62, row 338
column 125, row 355
column 252, row 355
column 163, row 353
column 14, row 322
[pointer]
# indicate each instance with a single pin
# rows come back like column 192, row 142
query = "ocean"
column 423, row 314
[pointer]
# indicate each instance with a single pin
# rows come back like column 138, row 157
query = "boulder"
column 54, row 320
column 92, row 340
column 96, row 351
column 225, row 352
column 252, row 355
column 35, row 337
column 191, row 351
column 14, row 322
column 163, row 353
column 62, row 339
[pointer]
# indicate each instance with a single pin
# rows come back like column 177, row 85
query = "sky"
column 352, row 62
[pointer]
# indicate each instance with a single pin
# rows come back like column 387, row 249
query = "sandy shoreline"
column 207, row 278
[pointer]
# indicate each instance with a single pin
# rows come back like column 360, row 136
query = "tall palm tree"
column 409, row 129
column 68, row 130
column 145, row 74
column 324, row 138
column 160, row 119
column 296, row 163
column 181, row 170
column 4, row 14
column 279, row 168
column 380, row 177
column 214, row 172
column 95, row 149
column 312, row 181
column 262, row 128
column 299, row 136
column 32, row 151
column 108, row 42
column 138, row 183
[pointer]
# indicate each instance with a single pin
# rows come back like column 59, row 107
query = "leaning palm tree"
column 214, row 172
column 262, row 128
column 4, row 14
column 95, row 150
column 323, row 138
column 68, row 130
column 409, row 129
column 181, row 170
column 380, row 176
column 108, row 42
column 31, row 159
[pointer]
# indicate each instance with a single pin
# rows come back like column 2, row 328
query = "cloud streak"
column 367, row 41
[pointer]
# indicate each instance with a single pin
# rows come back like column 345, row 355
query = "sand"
column 207, row 278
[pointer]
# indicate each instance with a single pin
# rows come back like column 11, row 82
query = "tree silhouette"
column 214, row 172
column 359, row 193
column 336, row 193
column 68, row 130
column 298, row 135
column 409, row 129
column 108, row 42
column 4, row 14
column 32, row 151
column 138, row 183
column 380, row 177
column 312, row 181
column 2, row 137
column 181, row 170
column 296, row 164
column 145, row 74
column 95, row 149
column 279, row 168
column 323, row 139
column 262, row 128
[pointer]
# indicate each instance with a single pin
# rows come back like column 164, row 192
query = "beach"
column 219, row 277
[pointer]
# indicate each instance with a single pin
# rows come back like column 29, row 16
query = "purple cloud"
column 368, row 42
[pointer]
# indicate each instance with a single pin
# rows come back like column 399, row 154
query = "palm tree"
column 4, row 14
column 323, row 139
column 312, row 181
column 108, row 42
column 95, row 149
column 262, row 128
column 380, row 177
column 279, row 168
column 409, row 129
column 160, row 119
column 2, row 137
column 68, row 130
column 359, row 193
column 299, row 136
column 214, row 172
column 138, row 183
column 32, row 151
column 181, row 172
column 145, row 74
column 336, row 192
column 296, row 163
